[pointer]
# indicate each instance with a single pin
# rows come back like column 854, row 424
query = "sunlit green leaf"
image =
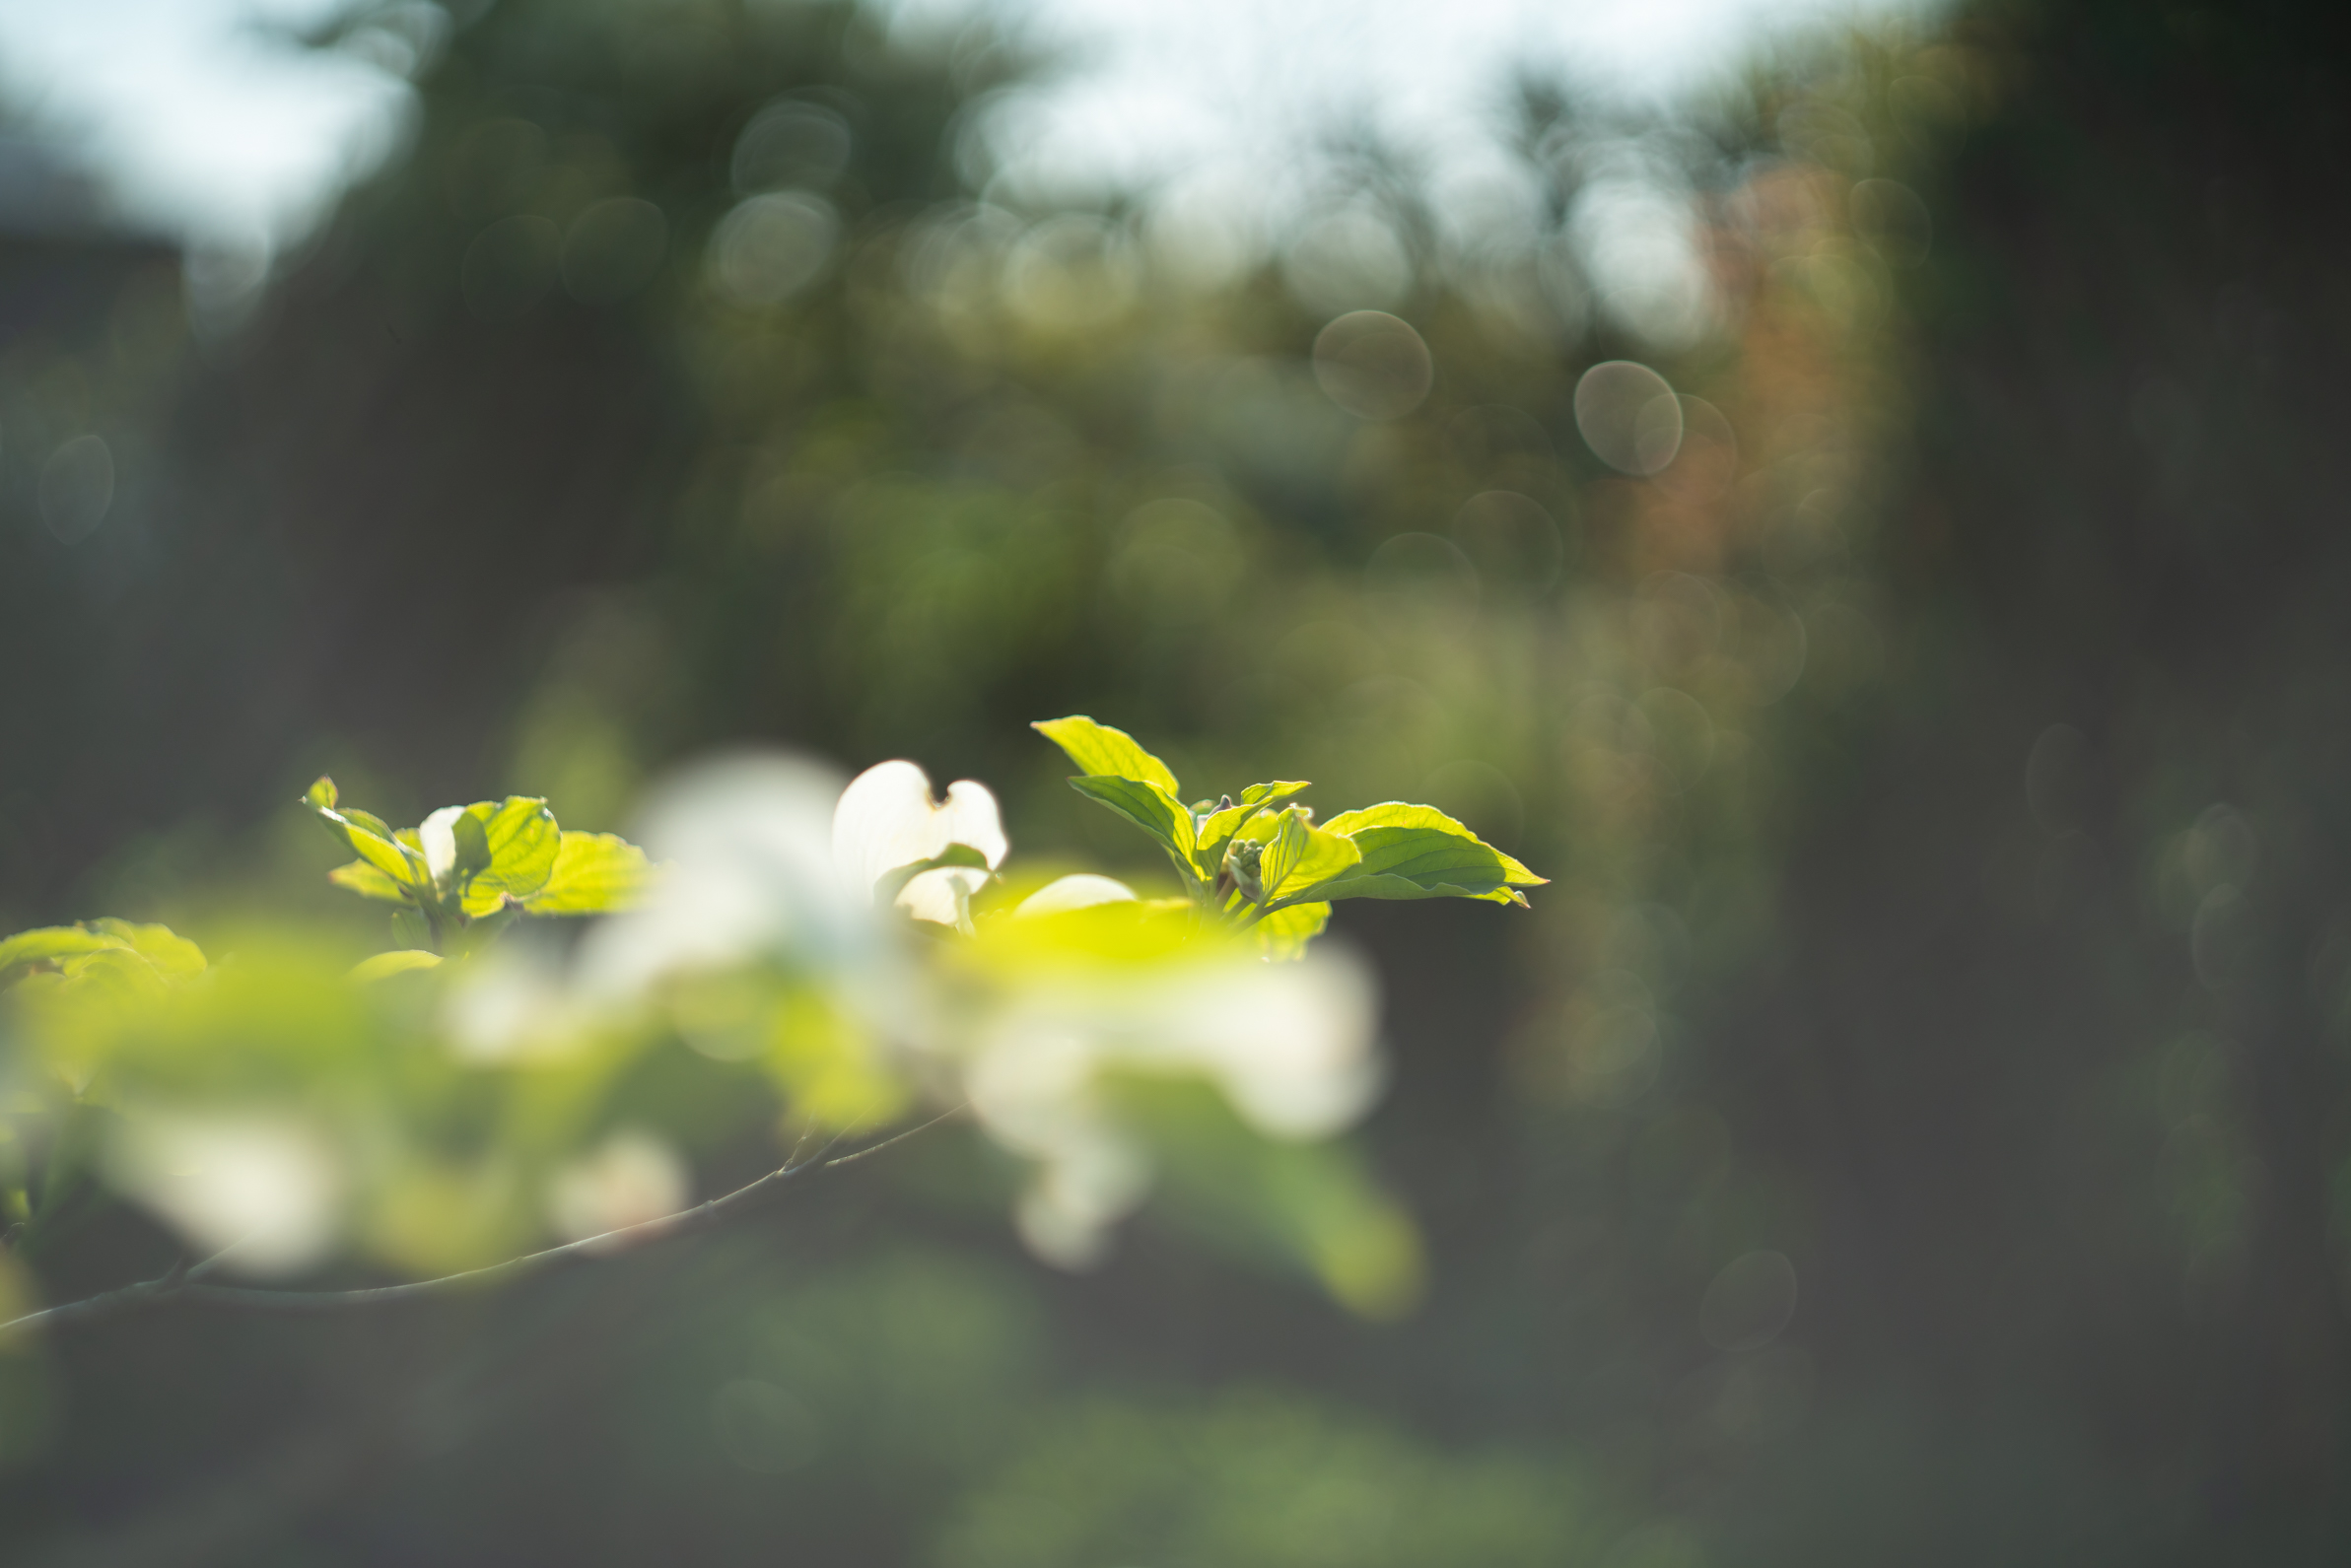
column 1149, row 806
column 473, row 846
column 1213, row 835
column 367, row 882
column 105, row 950
column 399, row 961
column 1218, row 828
column 1266, row 794
column 1099, row 750
column 366, row 834
column 50, row 945
column 174, row 956
column 594, row 873
column 1412, row 851
column 112, row 971
column 369, row 823
column 1284, row 933
column 522, row 842
column 1300, row 855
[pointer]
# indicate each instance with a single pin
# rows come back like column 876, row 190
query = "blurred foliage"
column 1257, row 1480
column 1912, row 1122
column 439, row 1106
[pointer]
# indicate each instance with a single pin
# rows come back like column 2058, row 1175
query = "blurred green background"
column 1911, row 1127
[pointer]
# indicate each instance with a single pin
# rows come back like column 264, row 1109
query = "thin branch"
column 192, row 1272
column 896, row 1137
column 183, row 1283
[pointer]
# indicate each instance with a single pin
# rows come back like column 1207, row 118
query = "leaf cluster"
column 179, row 1083
column 104, row 954
column 1261, row 861
column 465, row 871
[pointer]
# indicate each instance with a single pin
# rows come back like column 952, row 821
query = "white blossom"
column 264, row 1188
column 744, row 846
column 886, row 821
column 1289, row 1046
column 1081, row 891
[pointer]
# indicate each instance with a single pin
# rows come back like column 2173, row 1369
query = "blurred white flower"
column 886, row 820
column 1081, row 891
column 265, row 1189
column 1288, row 1045
column 769, row 856
column 747, row 872
column 631, row 1178
column 1091, row 1178
column 1028, row 1019
column 513, row 1005
column 438, row 835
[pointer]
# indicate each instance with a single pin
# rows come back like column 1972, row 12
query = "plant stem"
column 185, row 1285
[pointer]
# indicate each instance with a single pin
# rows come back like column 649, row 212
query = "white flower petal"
column 970, row 817
column 942, row 895
column 887, row 819
column 264, row 1187
column 437, row 834
column 747, row 843
column 633, row 1176
column 1291, row 1044
column 1079, row 892
column 511, row 1004
column 1079, row 1193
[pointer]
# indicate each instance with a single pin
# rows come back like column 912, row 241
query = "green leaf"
column 399, row 961
column 522, row 840
column 473, row 848
column 1284, row 933
column 594, row 873
column 1149, row 806
column 106, row 951
column 112, row 971
column 373, row 843
column 1213, row 836
column 368, row 883
column 1218, row 828
column 1102, row 751
column 50, row 945
column 172, row 955
column 410, row 928
column 1412, row 851
column 1300, row 855
column 477, row 933
column 1266, row 794
column 366, row 835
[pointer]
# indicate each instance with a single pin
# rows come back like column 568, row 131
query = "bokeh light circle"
column 1628, row 416
column 1373, row 364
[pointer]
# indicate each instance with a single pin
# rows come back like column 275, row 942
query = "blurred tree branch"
column 184, row 1283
